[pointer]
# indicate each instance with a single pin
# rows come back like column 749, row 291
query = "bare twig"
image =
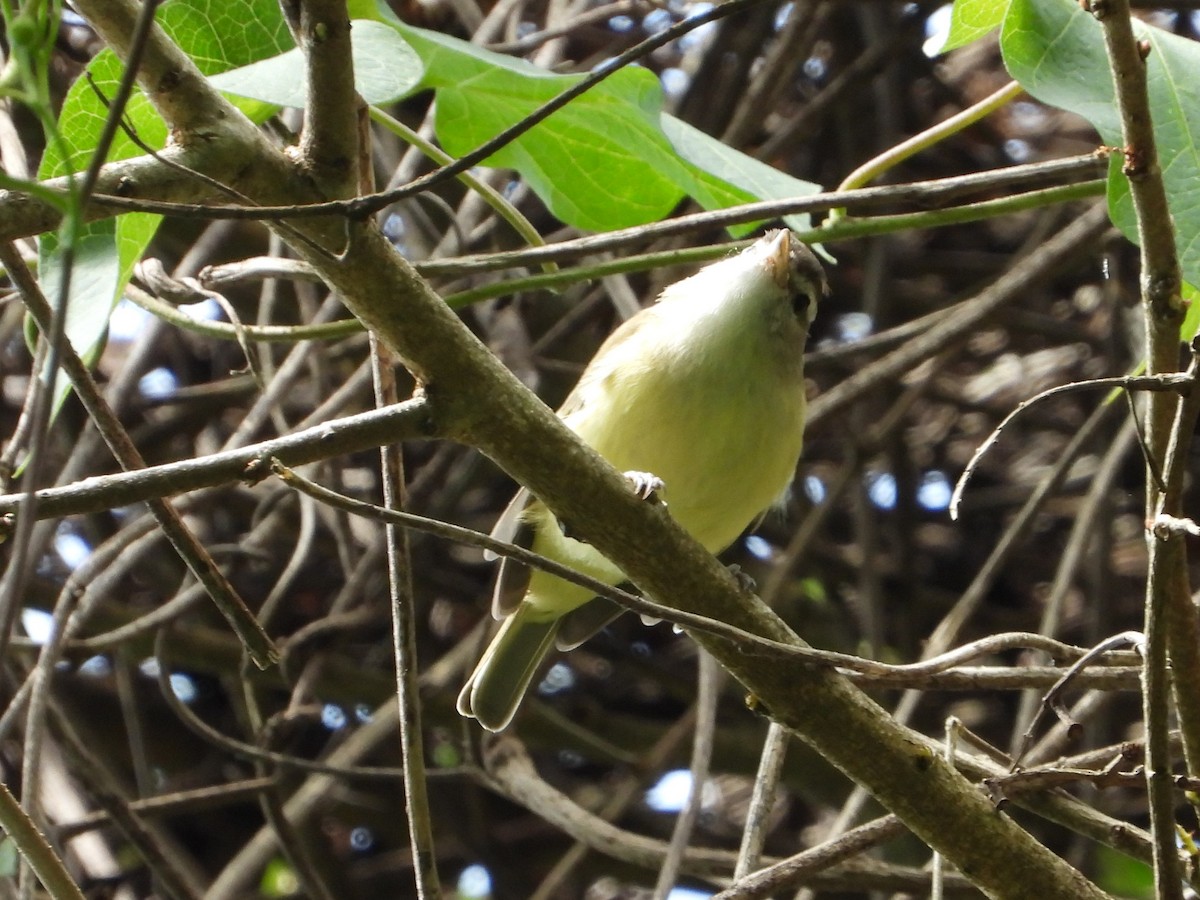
column 1163, row 314
column 1173, row 382
column 710, row 677
column 182, row 539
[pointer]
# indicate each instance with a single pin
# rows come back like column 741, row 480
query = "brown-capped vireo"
column 705, row 391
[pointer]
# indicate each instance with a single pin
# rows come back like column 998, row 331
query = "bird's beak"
column 778, row 253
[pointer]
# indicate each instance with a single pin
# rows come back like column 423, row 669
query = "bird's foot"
column 646, row 485
column 743, row 579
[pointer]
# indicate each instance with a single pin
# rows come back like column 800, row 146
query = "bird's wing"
column 513, row 578
column 611, row 359
column 580, row 624
column 509, row 524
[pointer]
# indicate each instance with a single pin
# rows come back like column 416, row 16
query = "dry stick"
column 1078, row 542
column 511, row 774
column 173, row 876
column 1000, row 678
column 1163, row 312
column 766, row 784
column 352, row 434
column 710, row 677
column 749, row 644
column 240, row 875
column 968, row 603
column 1169, row 383
column 54, row 326
column 261, row 650
column 90, row 580
column 21, row 431
column 1062, row 737
column 186, row 544
column 175, row 803
column 789, row 49
column 973, row 596
column 1183, row 632
column 578, row 22
column 404, row 644
column 794, row 871
column 872, row 59
column 1050, row 700
column 1072, row 170
column 244, row 750
column 295, row 850
column 96, row 579
column 336, row 132
column 1020, row 278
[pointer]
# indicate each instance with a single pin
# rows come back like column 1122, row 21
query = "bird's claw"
column 743, row 579
column 645, row 484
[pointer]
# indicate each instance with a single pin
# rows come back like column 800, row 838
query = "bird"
column 700, row 399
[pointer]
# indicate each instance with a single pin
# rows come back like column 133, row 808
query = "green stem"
column 36, row 849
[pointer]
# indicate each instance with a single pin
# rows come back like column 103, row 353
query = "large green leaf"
column 601, row 162
column 742, row 178
column 94, row 274
column 218, row 35
column 609, row 159
column 385, row 69
column 972, row 19
column 1055, row 49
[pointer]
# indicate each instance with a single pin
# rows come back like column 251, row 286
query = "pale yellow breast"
column 725, row 445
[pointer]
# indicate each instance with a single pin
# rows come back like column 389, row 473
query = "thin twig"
column 352, row 434
column 766, row 787
column 797, row 870
column 1163, row 312
column 1176, row 382
column 1049, row 701
column 189, row 548
column 404, row 644
column 710, row 677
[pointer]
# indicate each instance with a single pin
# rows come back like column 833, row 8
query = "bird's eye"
column 804, row 304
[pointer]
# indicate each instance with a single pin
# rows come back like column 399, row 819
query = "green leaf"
column 742, row 178
column 218, row 35
column 972, row 19
column 1191, row 321
column 609, row 159
column 385, row 69
column 206, row 30
column 600, row 163
column 95, row 275
column 1056, row 50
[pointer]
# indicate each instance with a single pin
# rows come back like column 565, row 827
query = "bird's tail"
column 494, row 690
